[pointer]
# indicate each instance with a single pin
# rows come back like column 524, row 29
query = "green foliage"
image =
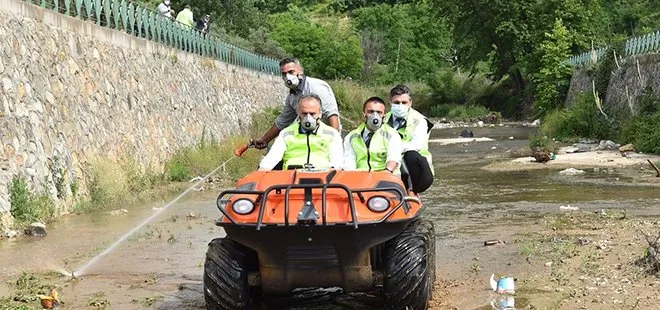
column 403, row 42
column 329, row 50
column 26, row 288
column 208, row 154
column 459, row 112
column 553, row 77
column 583, row 120
column 542, row 143
column 643, row 130
column 451, row 88
column 27, row 207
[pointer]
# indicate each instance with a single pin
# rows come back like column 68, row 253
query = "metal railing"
column 123, row 15
column 262, row 197
column 648, row 43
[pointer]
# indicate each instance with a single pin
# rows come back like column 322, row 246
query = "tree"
column 553, row 77
column 330, row 50
column 407, row 41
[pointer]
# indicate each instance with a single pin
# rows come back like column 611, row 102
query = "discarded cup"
column 505, row 285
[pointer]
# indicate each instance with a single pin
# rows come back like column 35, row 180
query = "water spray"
column 76, row 274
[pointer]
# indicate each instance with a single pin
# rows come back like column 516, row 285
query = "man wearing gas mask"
column 308, row 143
column 372, row 146
column 414, row 128
column 300, row 85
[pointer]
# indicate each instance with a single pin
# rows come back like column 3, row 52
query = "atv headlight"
column 378, row 203
column 243, row 206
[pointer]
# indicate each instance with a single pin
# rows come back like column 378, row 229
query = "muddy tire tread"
column 225, row 276
column 408, row 266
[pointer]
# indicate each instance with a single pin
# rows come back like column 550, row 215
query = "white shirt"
column 276, row 152
column 393, row 150
column 164, row 9
column 419, row 136
column 309, row 86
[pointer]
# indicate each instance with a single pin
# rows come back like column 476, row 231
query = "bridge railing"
column 647, row 43
column 145, row 23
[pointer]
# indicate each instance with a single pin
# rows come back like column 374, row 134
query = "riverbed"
column 161, row 265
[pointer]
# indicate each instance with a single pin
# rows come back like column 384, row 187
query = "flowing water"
column 161, row 264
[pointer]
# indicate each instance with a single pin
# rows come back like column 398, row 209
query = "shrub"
column 542, row 142
column 644, row 132
column 459, row 112
column 583, row 120
column 27, row 207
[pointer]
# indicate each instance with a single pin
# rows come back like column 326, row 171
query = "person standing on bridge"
column 185, row 17
column 414, row 128
column 165, row 9
column 299, row 86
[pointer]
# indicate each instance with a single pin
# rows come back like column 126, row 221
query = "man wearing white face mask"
column 301, row 85
column 165, row 9
column 372, row 146
column 306, row 143
column 414, row 128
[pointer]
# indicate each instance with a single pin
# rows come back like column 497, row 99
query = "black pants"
column 416, row 172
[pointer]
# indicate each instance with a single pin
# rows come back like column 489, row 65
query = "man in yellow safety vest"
column 414, row 128
column 372, row 146
column 306, row 143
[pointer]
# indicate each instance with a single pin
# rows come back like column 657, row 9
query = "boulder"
column 36, row 229
column 467, row 133
column 582, row 147
column 627, row 148
column 607, row 145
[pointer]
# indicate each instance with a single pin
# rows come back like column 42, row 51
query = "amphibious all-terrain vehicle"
column 320, row 228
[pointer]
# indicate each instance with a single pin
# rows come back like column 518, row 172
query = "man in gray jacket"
column 300, row 85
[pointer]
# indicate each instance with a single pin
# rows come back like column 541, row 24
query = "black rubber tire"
column 226, row 276
column 431, row 239
column 407, row 282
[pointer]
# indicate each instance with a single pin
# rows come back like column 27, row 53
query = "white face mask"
column 309, row 122
column 400, row 110
column 166, row 2
column 374, row 121
column 291, row 81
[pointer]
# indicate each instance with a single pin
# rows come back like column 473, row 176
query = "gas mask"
column 309, row 122
column 400, row 110
column 374, row 121
column 291, row 81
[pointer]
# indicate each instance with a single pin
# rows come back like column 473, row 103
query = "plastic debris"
column 505, row 285
column 568, row 208
column 571, row 171
column 493, row 242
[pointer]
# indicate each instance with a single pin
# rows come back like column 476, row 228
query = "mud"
column 161, row 266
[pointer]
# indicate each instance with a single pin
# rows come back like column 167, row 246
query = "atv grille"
column 312, row 256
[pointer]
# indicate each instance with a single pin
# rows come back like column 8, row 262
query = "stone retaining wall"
column 71, row 91
column 627, row 82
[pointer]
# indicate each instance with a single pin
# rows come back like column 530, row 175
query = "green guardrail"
column 141, row 22
column 648, row 43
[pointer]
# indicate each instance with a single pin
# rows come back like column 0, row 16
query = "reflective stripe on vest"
column 373, row 158
column 302, row 148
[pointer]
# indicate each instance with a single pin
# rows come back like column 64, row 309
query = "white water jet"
column 82, row 269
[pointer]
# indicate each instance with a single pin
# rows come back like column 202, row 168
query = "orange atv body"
column 330, row 228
